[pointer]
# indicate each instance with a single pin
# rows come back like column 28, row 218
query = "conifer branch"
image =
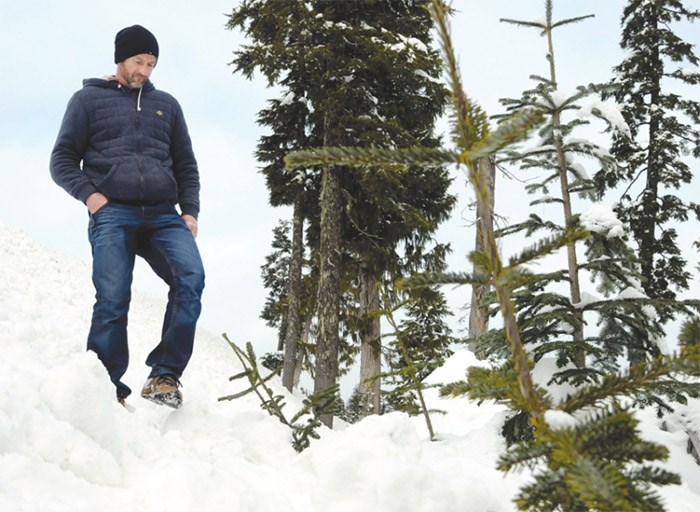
column 685, row 306
column 485, row 384
column 523, row 455
column 598, row 484
column 523, row 23
column 568, row 21
column 312, row 407
column 640, row 381
column 429, row 279
column 370, row 156
column 547, row 246
column 509, row 131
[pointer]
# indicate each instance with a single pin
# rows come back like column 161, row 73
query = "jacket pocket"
column 159, row 183
column 122, row 182
column 98, row 173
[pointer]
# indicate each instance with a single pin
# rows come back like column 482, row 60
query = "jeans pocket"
column 93, row 216
column 101, row 208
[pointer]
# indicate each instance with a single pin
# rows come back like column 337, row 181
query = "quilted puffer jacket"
column 133, row 144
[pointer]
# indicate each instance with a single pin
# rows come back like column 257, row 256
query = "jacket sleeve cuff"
column 84, row 192
column 189, row 210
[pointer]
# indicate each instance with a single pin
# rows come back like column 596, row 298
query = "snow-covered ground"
column 66, row 445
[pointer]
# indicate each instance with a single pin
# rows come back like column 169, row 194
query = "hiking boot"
column 121, row 401
column 163, row 390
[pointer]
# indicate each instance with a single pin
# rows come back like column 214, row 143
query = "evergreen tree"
column 275, row 275
column 390, row 98
column 664, row 132
column 551, row 320
column 280, row 32
column 367, row 77
column 424, row 339
column 554, row 154
column 280, row 301
column 355, row 407
column 287, row 118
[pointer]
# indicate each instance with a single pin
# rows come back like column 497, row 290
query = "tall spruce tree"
column 279, row 32
column 367, row 77
column 391, row 98
column 552, row 320
column 555, row 155
column 664, row 135
column 286, row 301
column 287, row 117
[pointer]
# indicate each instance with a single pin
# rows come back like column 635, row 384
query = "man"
column 137, row 164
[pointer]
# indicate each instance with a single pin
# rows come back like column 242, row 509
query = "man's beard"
column 136, row 82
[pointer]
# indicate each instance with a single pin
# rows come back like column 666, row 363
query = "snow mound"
column 66, row 445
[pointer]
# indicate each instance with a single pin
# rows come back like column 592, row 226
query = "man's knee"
column 190, row 284
column 108, row 311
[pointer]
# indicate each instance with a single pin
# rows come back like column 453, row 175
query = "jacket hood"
column 109, row 83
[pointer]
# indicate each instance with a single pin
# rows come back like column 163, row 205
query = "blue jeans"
column 118, row 233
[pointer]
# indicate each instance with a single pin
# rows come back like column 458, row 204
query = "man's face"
column 135, row 70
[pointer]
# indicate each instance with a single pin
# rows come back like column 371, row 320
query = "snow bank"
column 67, row 446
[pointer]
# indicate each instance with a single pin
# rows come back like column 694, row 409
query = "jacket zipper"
column 138, row 147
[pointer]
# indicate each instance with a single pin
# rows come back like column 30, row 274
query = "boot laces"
column 169, row 380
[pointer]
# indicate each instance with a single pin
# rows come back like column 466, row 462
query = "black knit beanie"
column 134, row 40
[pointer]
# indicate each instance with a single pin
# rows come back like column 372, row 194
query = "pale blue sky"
column 48, row 47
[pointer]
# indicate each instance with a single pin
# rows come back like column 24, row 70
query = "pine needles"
column 305, row 422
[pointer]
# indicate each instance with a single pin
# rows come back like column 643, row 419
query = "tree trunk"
column 291, row 338
column 478, row 312
column 533, row 401
column 300, row 353
column 645, row 226
column 572, row 260
column 370, row 344
column 327, row 346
